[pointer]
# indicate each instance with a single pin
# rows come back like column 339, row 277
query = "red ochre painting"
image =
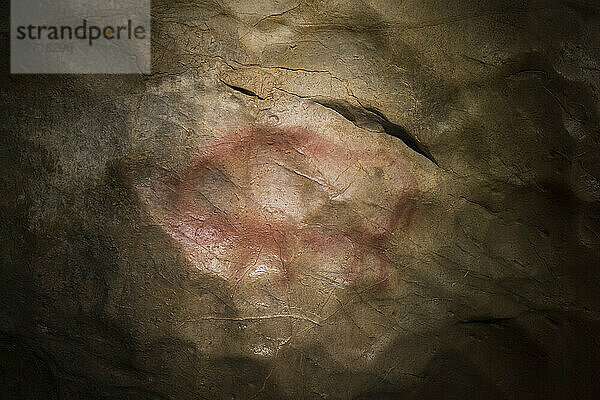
column 286, row 204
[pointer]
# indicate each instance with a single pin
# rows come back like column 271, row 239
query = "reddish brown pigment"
column 281, row 203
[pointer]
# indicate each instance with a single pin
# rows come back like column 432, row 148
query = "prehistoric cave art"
column 286, row 204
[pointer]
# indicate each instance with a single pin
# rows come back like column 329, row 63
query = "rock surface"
column 309, row 200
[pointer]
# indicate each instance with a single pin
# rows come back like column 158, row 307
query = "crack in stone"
column 483, row 206
column 487, row 321
column 242, row 90
column 256, row 318
column 363, row 117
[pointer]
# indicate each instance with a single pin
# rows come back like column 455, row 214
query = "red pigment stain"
column 283, row 202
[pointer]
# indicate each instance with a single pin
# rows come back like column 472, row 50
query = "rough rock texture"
column 311, row 200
